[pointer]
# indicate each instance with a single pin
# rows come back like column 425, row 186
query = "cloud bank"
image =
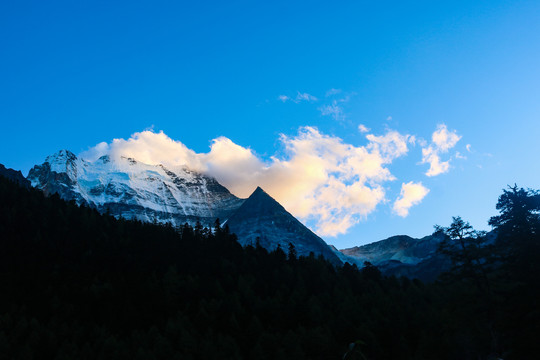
column 318, row 178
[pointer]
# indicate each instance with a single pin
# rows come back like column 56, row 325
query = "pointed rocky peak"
column 260, row 203
column 261, row 218
column 259, row 193
column 58, row 174
column 63, row 161
column 61, row 156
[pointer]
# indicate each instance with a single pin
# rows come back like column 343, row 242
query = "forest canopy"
column 79, row 284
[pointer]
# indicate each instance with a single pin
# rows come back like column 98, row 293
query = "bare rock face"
column 262, row 219
column 14, row 175
column 401, row 255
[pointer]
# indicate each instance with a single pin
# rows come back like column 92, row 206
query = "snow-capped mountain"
column 155, row 193
column 263, row 219
column 125, row 187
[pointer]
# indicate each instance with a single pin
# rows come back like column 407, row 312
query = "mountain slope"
column 401, row 255
column 401, row 248
column 14, row 175
column 263, row 219
column 125, row 187
column 153, row 193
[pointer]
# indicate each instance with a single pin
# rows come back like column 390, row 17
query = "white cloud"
column 333, row 110
column 299, row 97
column 460, row 156
column 389, row 118
column 283, row 98
column 411, row 194
column 305, row 97
column 95, row 152
column 363, row 129
column 390, row 146
column 333, row 92
column 468, row 147
column 442, row 141
column 436, row 166
column 319, row 178
column 422, row 142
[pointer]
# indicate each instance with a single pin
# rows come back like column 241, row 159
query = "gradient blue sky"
column 73, row 74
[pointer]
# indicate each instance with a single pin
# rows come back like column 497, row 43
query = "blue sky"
column 77, row 74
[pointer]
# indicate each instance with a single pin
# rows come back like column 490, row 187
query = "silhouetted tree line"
column 495, row 277
column 75, row 284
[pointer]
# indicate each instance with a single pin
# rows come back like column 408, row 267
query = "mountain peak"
column 59, row 160
column 262, row 204
column 261, row 218
column 63, row 154
column 135, row 190
column 132, row 189
column 259, row 192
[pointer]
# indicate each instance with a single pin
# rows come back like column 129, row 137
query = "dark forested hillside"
column 80, row 285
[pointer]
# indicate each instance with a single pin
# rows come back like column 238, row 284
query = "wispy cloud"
column 283, row 98
column 460, row 156
column 332, row 92
column 334, row 110
column 411, row 194
column 391, row 145
column 363, row 129
column 319, row 178
column 442, row 141
column 305, row 97
column 299, row 98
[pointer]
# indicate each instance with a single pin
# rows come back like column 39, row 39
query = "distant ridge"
column 14, row 175
column 401, row 255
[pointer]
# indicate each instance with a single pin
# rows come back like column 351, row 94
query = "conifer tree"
column 292, row 255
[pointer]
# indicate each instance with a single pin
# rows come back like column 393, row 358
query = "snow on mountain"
column 125, row 187
column 155, row 193
column 134, row 190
